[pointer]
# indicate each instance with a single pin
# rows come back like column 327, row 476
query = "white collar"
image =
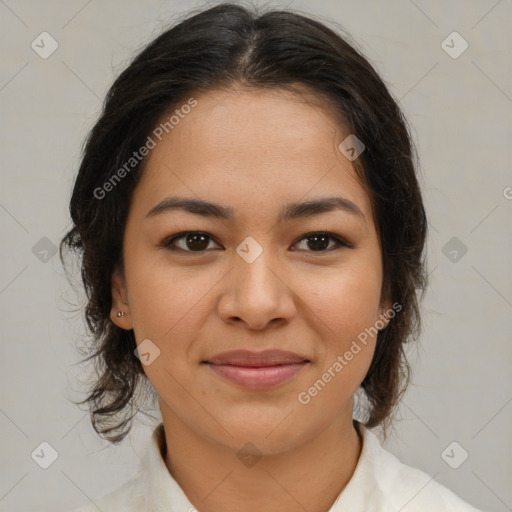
column 380, row 483
column 163, row 490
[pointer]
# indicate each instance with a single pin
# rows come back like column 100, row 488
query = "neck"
column 308, row 477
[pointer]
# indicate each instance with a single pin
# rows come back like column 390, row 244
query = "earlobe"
column 120, row 311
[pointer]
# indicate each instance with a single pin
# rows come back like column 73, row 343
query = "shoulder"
column 402, row 487
column 151, row 488
column 129, row 497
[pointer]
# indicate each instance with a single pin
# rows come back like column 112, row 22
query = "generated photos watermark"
column 304, row 397
column 151, row 142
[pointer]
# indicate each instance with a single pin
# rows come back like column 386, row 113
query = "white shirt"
column 380, row 483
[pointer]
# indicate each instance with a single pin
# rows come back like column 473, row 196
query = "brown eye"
column 319, row 242
column 191, row 242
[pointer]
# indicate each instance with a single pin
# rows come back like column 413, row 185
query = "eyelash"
column 167, row 243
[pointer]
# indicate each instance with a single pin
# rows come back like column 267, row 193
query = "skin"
column 254, row 151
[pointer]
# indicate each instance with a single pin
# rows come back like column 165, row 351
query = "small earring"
column 120, row 313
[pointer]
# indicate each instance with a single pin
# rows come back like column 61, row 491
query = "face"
column 252, row 273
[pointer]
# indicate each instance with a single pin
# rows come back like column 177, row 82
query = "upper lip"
column 271, row 357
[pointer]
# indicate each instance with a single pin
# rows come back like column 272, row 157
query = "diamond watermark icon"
column 249, row 455
column 44, row 45
column 249, row 249
column 454, row 45
column 44, row 250
column 147, row 352
column 454, row 249
column 454, row 455
column 44, row 455
column 351, row 147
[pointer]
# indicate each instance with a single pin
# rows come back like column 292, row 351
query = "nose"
column 257, row 293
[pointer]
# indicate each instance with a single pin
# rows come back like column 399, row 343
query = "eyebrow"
column 289, row 212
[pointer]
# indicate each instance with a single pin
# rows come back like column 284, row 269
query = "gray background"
column 461, row 112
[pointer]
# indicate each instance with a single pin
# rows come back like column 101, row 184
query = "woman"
column 251, row 231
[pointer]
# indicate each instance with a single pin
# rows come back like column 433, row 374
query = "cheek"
column 347, row 306
column 165, row 300
column 346, row 300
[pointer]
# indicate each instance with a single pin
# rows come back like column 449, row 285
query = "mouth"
column 257, row 370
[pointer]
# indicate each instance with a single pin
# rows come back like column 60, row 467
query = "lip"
column 271, row 357
column 257, row 370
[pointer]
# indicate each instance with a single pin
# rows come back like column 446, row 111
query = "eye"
column 198, row 241
column 319, row 242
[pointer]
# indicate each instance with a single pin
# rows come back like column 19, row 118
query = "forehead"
column 251, row 149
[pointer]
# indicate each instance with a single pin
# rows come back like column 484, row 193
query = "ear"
column 120, row 302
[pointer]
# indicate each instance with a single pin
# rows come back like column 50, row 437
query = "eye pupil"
column 319, row 242
column 197, row 241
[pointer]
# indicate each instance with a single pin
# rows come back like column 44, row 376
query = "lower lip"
column 260, row 377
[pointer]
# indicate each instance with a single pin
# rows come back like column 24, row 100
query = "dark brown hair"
column 217, row 48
